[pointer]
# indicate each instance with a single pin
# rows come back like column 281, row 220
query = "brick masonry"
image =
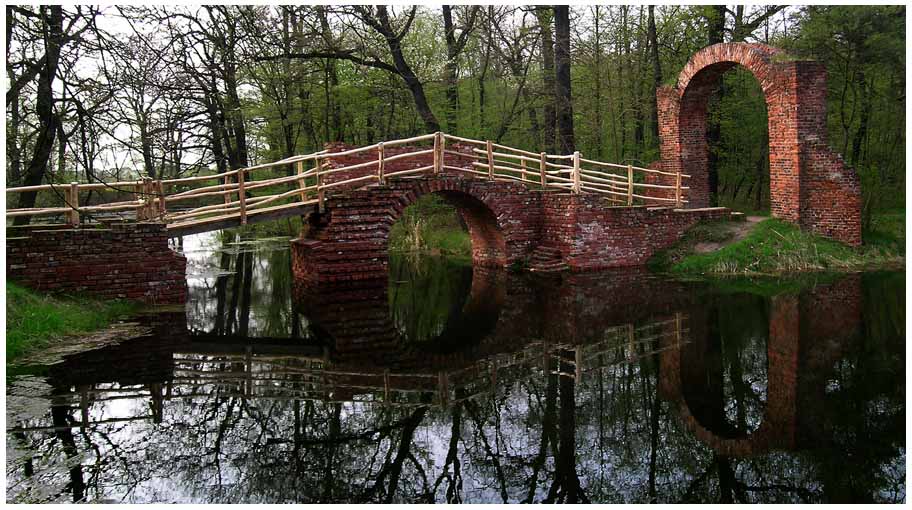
column 348, row 241
column 131, row 261
column 809, row 184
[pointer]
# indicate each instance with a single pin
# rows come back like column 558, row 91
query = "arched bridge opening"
column 349, row 240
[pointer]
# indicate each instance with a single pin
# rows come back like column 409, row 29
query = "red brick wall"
column 506, row 221
column 593, row 236
column 349, row 241
column 809, row 185
column 130, row 261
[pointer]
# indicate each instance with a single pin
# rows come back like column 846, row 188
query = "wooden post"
column 84, row 408
column 72, row 198
column 242, row 197
column 542, row 158
column 678, row 189
column 678, row 327
column 386, row 386
column 444, row 388
column 302, row 182
column 148, row 198
column 578, row 362
column 438, row 152
column 631, row 346
column 629, row 184
column 490, row 159
column 320, row 185
column 576, row 172
column 522, row 164
column 141, row 208
column 162, row 207
column 227, row 196
column 381, row 163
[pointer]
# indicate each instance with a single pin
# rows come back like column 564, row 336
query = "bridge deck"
column 286, row 188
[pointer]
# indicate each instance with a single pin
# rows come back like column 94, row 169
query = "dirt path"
column 738, row 231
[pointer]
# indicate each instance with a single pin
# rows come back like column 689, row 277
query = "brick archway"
column 350, row 240
column 809, row 184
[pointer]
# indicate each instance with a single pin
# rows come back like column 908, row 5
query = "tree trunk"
column 716, row 28
column 544, row 15
column 405, row 72
column 44, row 110
column 332, row 75
column 564, row 105
column 483, row 76
column 656, row 71
column 865, row 114
column 450, row 71
column 597, row 78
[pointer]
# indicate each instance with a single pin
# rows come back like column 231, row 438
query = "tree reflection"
column 560, row 398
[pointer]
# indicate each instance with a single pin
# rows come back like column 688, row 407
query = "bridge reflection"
column 560, row 336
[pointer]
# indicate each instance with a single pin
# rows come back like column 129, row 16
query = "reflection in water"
column 456, row 385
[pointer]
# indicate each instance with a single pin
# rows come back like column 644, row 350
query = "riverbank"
column 35, row 320
column 768, row 246
column 430, row 225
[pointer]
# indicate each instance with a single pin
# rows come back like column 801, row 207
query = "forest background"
column 106, row 93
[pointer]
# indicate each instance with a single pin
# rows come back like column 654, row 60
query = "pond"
column 454, row 384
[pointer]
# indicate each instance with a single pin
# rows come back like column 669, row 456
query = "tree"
column 545, row 18
column 454, row 47
column 51, row 27
column 564, row 104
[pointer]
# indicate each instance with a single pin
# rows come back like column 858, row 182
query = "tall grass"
column 776, row 247
column 430, row 225
column 35, row 320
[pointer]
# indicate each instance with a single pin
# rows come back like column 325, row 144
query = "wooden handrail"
column 493, row 161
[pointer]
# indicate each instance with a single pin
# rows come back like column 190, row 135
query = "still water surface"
column 449, row 384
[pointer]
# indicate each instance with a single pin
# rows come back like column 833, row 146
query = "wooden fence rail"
column 306, row 182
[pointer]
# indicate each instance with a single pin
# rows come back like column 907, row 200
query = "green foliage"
column 776, row 247
column 430, row 224
column 34, row 320
column 863, row 48
column 742, row 151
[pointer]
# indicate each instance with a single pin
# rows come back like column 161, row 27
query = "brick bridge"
column 553, row 212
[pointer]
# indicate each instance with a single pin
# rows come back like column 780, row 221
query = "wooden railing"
column 206, row 373
column 308, row 181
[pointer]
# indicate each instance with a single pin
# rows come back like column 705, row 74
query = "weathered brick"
column 809, row 184
column 129, row 260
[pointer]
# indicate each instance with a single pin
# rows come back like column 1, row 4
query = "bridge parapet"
column 131, row 261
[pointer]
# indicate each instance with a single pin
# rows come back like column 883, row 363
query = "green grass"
column 775, row 247
column 35, row 320
column 430, row 225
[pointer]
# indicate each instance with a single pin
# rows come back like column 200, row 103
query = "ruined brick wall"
column 809, row 185
column 131, row 261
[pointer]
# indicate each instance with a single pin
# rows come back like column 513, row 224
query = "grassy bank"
column 34, row 320
column 431, row 225
column 775, row 247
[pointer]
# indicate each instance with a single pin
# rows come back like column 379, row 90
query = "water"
column 450, row 384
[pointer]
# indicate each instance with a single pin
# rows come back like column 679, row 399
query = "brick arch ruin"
column 350, row 239
column 810, row 185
